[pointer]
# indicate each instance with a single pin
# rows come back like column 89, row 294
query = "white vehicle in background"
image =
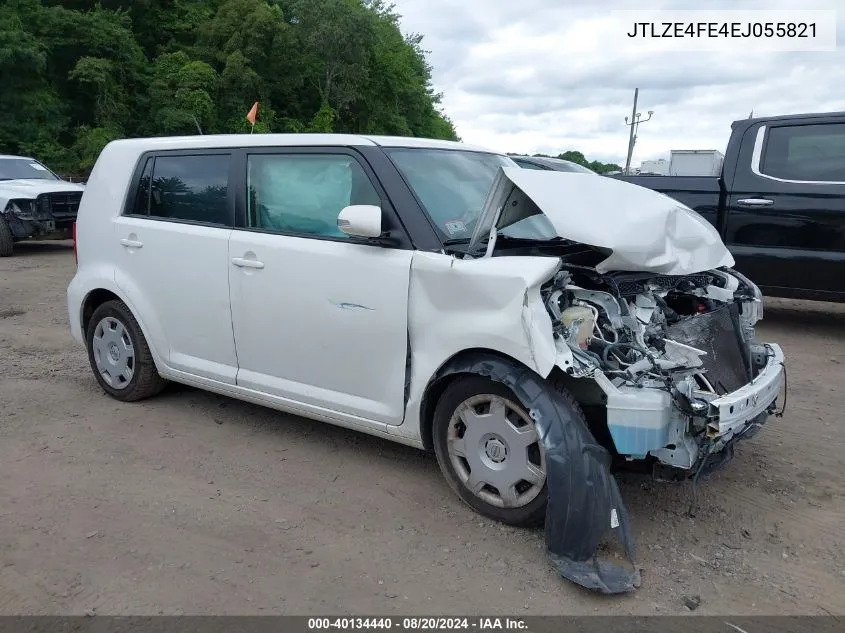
column 695, row 162
column 34, row 203
column 428, row 292
column 550, row 164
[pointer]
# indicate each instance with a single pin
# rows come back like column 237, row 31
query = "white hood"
column 640, row 229
column 34, row 188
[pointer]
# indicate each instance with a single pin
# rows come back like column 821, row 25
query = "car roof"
column 9, row 156
column 223, row 141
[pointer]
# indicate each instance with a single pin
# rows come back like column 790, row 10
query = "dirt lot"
column 194, row 503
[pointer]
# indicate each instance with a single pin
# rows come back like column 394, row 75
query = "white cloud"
column 551, row 75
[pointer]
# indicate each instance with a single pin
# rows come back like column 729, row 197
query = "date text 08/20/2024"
column 417, row 623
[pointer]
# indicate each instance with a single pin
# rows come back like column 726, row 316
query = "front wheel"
column 489, row 451
column 119, row 354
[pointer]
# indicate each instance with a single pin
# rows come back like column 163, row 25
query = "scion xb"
column 377, row 283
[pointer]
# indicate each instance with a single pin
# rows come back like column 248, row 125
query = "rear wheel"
column 119, row 355
column 6, row 238
column 489, row 451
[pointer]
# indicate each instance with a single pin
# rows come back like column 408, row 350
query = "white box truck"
column 695, row 162
column 659, row 167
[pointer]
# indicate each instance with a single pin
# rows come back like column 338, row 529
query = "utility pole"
column 634, row 124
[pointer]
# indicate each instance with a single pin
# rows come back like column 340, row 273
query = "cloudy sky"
column 550, row 75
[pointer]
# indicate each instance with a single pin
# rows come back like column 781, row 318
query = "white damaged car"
column 34, row 203
column 530, row 327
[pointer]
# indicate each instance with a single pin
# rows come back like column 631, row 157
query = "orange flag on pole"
column 252, row 114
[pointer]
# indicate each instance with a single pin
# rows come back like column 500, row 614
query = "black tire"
column 7, row 242
column 532, row 513
column 145, row 381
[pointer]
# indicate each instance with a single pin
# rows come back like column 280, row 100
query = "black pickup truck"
column 779, row 203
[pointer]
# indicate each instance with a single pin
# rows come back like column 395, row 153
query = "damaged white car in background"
column 34, row 203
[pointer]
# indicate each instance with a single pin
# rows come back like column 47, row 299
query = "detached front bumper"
column 645, row 422
column 46, row 229
column 733, row 412
column 741, row 414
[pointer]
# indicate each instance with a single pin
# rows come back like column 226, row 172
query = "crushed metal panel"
column 640, row 229
column 456, row 305
column 495, row 303
column 584, row 501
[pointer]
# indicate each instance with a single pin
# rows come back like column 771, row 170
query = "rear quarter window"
column 806, row 152
column 141, row 204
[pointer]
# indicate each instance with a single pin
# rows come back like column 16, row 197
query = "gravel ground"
column 195, row 503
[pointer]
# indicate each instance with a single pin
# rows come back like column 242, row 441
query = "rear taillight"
column 75, row 255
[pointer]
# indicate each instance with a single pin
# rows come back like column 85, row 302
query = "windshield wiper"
column 451, row 245
column 531, row 240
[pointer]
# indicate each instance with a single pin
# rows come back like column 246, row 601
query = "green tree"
column 181, row 95
column 31, row 110
column 79, row 73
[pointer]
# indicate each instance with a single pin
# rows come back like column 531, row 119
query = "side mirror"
column 360, row 220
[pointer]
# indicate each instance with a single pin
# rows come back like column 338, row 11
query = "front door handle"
column 131, row 243
column 240, row 262
column 755, row 202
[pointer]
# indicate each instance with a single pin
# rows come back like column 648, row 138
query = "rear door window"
column 192, row 188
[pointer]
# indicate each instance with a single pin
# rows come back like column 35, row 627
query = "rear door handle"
column 240, row 262
column 755, row 202
column 131, row 243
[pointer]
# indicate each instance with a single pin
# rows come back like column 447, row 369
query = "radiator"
column 727, row 363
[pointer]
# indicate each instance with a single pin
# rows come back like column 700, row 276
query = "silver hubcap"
column 494, row 449
column 113, row 353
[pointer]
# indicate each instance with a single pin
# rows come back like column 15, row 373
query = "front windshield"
column 451, row 185
column 24, row 169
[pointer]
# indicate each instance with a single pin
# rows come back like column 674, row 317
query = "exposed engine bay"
column 664, row 350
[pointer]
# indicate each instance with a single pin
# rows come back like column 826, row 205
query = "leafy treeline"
column 577, row 157
column 595, row 165
column 75, row 74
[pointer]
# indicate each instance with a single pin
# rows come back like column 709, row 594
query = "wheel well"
column 438, row 384
column 586, row 393
column 593, row 403
column 94, row 300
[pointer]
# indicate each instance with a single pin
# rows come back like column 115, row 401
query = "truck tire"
column 6, row 238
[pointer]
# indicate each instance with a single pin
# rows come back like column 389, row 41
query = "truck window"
column 806, row 152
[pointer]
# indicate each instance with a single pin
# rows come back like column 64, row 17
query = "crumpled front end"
column 46, row 216
column 675, row 360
